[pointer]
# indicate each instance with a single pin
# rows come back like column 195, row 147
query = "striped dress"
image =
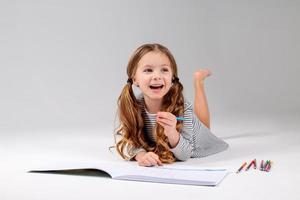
column 196, row 140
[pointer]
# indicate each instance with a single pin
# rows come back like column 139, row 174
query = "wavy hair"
column 131, row 126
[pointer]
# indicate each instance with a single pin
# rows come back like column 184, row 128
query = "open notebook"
column 162, row 174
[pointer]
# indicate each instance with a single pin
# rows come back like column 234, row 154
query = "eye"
column 165, row 69
column 148, row 70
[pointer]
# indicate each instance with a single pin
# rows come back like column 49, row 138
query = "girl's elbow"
column 184, row 157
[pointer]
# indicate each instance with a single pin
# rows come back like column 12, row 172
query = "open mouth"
column 156, row 87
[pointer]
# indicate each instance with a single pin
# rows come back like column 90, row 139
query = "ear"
column 175, row 79
column 135, row 82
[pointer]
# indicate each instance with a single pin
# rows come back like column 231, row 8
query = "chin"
column 155, row 97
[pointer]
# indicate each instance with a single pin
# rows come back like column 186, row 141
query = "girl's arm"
column 180, row 143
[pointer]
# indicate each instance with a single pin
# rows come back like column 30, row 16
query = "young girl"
column 160, row 126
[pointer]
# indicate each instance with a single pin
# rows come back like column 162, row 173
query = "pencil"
column 254, row 162
column 268, row 166
column 180, row 118
column 240, row 169
column 248, row 167
column 262, row 165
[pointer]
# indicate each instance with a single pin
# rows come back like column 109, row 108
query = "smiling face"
column 154, row 75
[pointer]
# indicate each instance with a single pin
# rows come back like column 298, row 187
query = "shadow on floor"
column 77, row 172
column 250, row 134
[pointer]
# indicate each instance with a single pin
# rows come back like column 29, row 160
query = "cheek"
column 168, row 81
column 143, row 82
column 140, row 78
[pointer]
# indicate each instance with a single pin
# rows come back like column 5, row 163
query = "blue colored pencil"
column 180, row 118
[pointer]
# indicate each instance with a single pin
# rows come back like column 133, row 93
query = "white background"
column 63, row 65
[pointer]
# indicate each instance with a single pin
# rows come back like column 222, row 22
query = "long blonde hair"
column 130, row 113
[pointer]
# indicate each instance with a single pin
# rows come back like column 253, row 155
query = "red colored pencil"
column 254, row 162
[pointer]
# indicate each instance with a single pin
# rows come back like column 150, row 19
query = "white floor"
column 274, row 138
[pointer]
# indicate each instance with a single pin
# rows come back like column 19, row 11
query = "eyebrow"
column 163, row 65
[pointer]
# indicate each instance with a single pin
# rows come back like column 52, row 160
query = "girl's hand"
column 168, row 121
column 148, row 159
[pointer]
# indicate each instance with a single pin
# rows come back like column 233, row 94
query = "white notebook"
column 162, row 174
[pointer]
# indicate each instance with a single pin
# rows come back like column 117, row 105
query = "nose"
column 157, row 76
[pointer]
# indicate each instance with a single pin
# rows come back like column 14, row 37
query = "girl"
column 160, row 126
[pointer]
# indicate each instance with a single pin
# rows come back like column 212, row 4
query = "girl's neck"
column 153, row 106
